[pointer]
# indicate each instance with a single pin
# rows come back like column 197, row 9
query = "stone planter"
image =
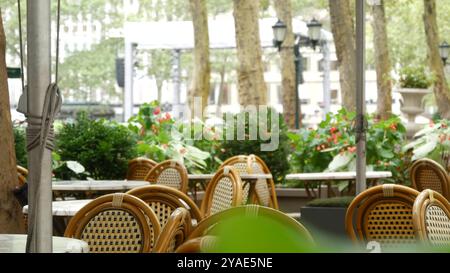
column 411, row 107
column 324, row 220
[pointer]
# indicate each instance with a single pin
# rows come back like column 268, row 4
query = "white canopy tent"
column 179, row 35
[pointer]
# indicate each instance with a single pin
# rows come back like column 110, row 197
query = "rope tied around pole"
column 40, row 133
column 40, row 130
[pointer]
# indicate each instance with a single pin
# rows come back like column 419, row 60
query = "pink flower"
column 168, row 116
column 157, row 111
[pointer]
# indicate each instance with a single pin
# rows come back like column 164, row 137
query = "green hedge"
column 101, row 146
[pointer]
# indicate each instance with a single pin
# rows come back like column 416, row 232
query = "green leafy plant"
column 431, row 142
column 276, row 160
column 101, row 146
column 332, row 146
column 414, row 77
column 20, row 146
column 160, row 138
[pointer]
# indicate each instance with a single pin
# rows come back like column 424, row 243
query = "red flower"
column 168, row 116
column 393, row 127
column 333, row 130
column 157, row 111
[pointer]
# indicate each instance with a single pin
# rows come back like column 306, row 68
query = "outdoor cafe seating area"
column 156, row 213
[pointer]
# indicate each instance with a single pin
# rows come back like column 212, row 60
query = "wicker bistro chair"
column 165, row 200
column 22, row 174
column 428, row 174
column 115, row 223
column 138, row 168
column 383, row 214
column 240, row 164
column 174, row 232
column 170, row 173
column 224, row 191
column 198, row 245
column 264, row 188
column 431, row 218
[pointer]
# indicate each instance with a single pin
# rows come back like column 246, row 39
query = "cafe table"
column 16, row 243
column 330, row 177
column 93, row 188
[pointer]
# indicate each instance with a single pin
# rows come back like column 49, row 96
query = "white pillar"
column 39, row 77
column 129, row 78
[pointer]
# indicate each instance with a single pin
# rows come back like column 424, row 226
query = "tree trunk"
column 284, row 13
column 344, row 39
column 200, row 83
column 382, row 62
column 252, row 87
column 441, row 90
column 11, row 218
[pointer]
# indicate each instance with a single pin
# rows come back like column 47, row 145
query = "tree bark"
column 441, row 90
column 382, row 62
column 344, row 39
column 252, row 87
column 284, row 12
column 11, row 218
column 200, row 82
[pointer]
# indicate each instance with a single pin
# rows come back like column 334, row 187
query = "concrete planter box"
column 328, row 220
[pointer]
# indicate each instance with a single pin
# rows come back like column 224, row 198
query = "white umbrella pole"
column 360, row 97
column 40, row 167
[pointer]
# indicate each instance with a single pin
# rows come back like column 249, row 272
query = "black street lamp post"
column 314, row 32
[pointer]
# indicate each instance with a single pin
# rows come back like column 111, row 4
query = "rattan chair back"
column 115, row 223
column 207, row 225
column 240, row 164
column 383, row 214
column 138, row 168
column 202, row 244
column 431, row 218
column 22, row 174
column 428, row 174
column 165, row 200
column 174, row 232
column 170, row 173
column 264, row 188
column 223, row 192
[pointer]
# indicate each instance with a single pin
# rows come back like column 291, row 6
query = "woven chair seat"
column 223, row 191
column 115, row 223
column 384, row 215
column 165, row 200
column 138, row 168
column 432, row 219
column 428, row 174
column 169, row 173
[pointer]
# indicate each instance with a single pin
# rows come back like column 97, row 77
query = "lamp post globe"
column 314, row 31
column 279, row 33
column 444, row 50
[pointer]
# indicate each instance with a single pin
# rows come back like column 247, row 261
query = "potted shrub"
column 326, row 216
column 414, row 84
